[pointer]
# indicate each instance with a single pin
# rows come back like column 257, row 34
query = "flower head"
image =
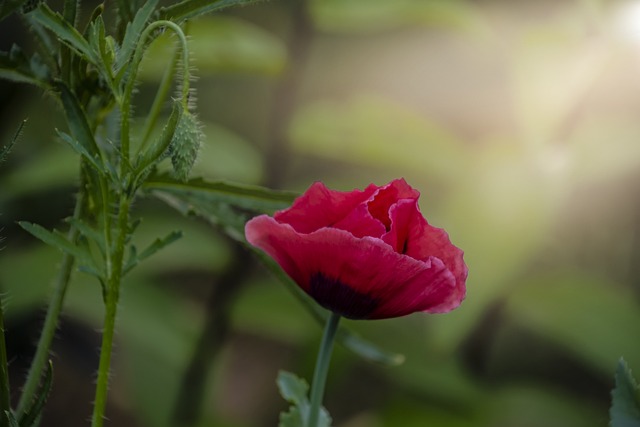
column 366, row 254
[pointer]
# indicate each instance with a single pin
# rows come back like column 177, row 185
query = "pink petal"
column 387, row 196
column 420, row 240
column 321, row 207
column 356, row 277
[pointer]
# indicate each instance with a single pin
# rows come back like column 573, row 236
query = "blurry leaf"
column 89, row 232
column 220, row 44
column 77, row 120
column 153, row 248
column 295, row 390
column 625, row 405
column 59, row 241
column 31, row 415
column 588, row 317
column 253, row 198
column 373, row 131
column 81, row 150
column 5, row 390
column 132, row 34
column 4, row 152
column 7, row 7
column 376, row 15
column 64, row 31
column 187, row 9
column 15, row 66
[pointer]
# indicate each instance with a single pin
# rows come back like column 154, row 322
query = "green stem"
column 111, row 302
column 135, row 64
column 5, row 404
column 322, row 368
column 39, row 362
column 161, row 96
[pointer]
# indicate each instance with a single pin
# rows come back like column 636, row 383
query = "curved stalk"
column 135, row 63
column 53, row 313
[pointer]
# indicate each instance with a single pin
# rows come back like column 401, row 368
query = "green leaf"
column 64, row 31
column 132, row 33
column 77, row 120
column 248, row 197
column 625, row 405
column 15, row 66
column 157, row 244
column 59, row 241
column 31, row 415
column 7, row 7
column 7, row 148
column 188, row 9
column 13, row 422
column 5, row 391
column 89, row 232
column 80, row 149
column 295, row 390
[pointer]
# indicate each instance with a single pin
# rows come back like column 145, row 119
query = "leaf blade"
column 625, row 405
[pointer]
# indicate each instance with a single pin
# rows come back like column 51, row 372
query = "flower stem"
column 111, row 303
column 53, row 313
column 322, row 368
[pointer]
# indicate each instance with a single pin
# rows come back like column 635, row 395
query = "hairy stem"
column 39, row 362
column 5, row 404
column 322, row 368
column 111, row 302
column 135, row 63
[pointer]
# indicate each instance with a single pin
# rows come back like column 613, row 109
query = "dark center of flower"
column 341, row 298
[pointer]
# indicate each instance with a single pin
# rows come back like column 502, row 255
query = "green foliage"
column 188, row 9
column 32, row 415
column 625, row 405
column 7, row 7
column 295, row 391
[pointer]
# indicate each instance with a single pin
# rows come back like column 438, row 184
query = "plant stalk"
column 111, row 308
column 322, row 368
column 53, row 313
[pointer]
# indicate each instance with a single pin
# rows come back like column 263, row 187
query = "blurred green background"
column 518, row 122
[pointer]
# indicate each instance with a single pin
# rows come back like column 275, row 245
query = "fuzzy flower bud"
column 185, row 145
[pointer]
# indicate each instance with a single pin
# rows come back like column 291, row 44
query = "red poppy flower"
column 364, row 254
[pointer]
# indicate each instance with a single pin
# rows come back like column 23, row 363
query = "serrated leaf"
column 293, row 418
column 625, row 405
column 31, row 415
column 292, row 388
column 295, row 391
column 89, row 232
column 157, row 244
column 64, row 31
column 132, row 33
column 188, row 9
column 11, row 419
column 7, row 148
column 80, row 149
column 59, row 241
column 100, row 43
column 77, row 120
column 249, row 197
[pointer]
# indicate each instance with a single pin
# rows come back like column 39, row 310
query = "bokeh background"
column 519, row 123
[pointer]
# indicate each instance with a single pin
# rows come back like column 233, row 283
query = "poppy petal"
column 322, row 207
column 360, row 278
